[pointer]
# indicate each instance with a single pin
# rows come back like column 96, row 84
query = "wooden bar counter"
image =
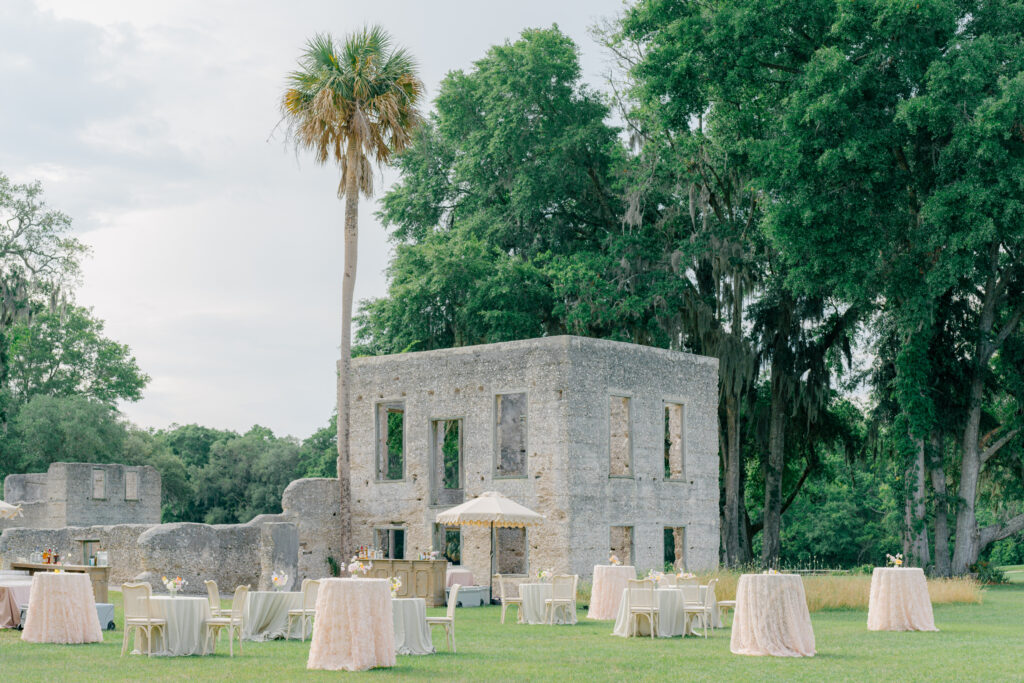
column 99, row 576
column 420, row 578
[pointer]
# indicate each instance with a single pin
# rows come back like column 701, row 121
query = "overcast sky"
column 216, row 250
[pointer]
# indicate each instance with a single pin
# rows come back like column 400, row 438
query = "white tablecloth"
column 672, row 621
column 899, row 600
column 534, row 595
column 185, row 633
column 62, row 609
column 609, row 580
column 412, row 635
column 771, row 617
column 266, row 615
column 457, row 575
column 10, row 615
column 354, row 626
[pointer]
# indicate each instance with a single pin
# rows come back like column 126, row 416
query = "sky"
column 216, row 248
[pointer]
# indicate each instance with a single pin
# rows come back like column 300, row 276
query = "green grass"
column 1014, row 573
column 975, row 642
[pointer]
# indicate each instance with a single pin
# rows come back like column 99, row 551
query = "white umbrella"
column 490, row 509
column 8, row 511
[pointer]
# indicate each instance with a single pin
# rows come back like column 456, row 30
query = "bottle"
column 46, row 556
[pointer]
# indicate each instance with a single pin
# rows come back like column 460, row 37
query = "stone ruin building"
column 615, row 443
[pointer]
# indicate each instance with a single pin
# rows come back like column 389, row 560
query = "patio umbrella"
column 8, row 511
column 494, row 510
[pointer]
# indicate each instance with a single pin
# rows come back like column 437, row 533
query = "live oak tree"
column 353, row 103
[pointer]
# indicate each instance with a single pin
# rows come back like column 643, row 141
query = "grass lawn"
column 1014, row 573
column 976, row 642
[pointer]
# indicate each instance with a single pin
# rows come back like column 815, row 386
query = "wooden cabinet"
column 99, row 576
column 420, row 578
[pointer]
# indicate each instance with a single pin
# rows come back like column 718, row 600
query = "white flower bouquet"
column 279, row 581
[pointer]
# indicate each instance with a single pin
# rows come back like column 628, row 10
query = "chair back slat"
column 667, row 581
column 709, row 595
column 641, row 593
column 136, row 600
column 562, row 587
column 310, row 588
column 453, row 599
column 691, row 592
column 213, row 594
column 238, row 602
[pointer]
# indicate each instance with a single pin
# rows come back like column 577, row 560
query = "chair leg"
column 503, row 608
column 453, row 638
column 124, row 641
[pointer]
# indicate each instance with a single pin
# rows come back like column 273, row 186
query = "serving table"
column 899, row 600
column 265, row 616
column 533, row 596
column 354, row 628
column 62, row 610
column 185, row 632
column 99, row 576
column 609, row 582
column 420, row 578
column 412, row 634
column 771, row 617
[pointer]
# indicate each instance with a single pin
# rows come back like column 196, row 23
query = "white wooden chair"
column 310, row 588
column 509, row 600
column 563, row 595
column 448, row 621
column 724, row 605
column 232, row 622
column 642, row 603
column 702, row 608
column 213, row 595
column 138, row 615
column 667, row 581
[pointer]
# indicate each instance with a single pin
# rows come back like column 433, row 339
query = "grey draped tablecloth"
column 266, row 615
column 185, row 633
column 534, row 595
column 412, row 635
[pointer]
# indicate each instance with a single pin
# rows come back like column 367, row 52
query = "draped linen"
column 672, row 620
column 10, row 615
column 412, row 635
column 266, row 615
column 771, row 617
column 354, row 625
column 19, row 587
column 534, row 595
column 185, row 632
column 609, row 582
column 457, row 575
column 62, row 609
column 899, row 600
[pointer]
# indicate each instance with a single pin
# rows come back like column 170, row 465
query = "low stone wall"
column 230, row 554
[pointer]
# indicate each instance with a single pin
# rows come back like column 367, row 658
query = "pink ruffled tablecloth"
column 62, row 609
column 609, row 582
column 899, row 600
column 354, row 626
column 457, row 575
column 771, row 617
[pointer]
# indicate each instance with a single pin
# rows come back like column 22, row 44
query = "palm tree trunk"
column 347, row 291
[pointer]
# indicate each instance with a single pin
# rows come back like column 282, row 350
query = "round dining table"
column 533, row 596
column 185, row 631
column 672, row 620
column 609, row 582
column 412, row 634
column 899, row 600
column 771, row 617
column 354, row 627
column 265, row 616
column 62, row 609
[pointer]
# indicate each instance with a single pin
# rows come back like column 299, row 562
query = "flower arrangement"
column 396, row 583
column 896, row 561
column 173, row 585
column 770, row 572
column 615, row 561
column 686, row 575
column 357, row 566
column 655, row 575
column 544, row 574
column 279, row 581
column 430, row 555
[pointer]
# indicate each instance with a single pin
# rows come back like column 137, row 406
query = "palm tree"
column 354, row 104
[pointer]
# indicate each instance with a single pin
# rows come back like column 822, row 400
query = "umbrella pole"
column 490, row 577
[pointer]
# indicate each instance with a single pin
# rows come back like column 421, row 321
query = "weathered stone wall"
column 65, row 496
column 569, row 382
column 120, row 541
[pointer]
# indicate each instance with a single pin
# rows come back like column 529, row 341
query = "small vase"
column 174, row 592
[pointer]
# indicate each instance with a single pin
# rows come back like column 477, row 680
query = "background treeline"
column 828, row 196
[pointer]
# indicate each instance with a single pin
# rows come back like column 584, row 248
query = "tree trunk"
column 937, row 471
column 347, row 291
column 771, row 541
column 915, row 542
column 732, row 484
